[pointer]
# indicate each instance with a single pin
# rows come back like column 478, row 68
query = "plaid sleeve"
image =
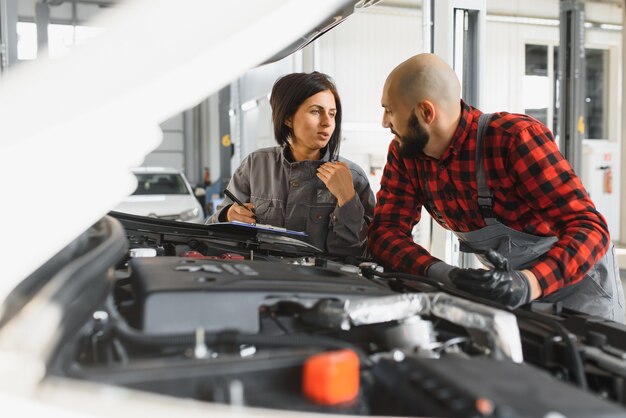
column 546, row 182
column 397, row 210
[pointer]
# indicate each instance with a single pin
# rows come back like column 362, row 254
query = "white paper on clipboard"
column 270, row 228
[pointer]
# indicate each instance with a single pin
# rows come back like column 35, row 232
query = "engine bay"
column 259, row 328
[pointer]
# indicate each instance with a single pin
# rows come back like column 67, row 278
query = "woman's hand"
column 241, row 213
column 338, row 179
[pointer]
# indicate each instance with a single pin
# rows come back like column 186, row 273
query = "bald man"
column 499, row 182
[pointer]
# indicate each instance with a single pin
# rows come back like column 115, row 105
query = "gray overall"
column 598, row 293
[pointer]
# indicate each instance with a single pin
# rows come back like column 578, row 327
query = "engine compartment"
column 240, row 332
column 160, row 308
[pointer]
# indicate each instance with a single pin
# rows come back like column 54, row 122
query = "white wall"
column 252, row 129
column 359, row 54
column 505, row 63
column 170, row 153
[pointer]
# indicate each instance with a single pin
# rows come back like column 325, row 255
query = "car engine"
column 251, row 327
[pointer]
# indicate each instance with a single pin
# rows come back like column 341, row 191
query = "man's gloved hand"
column 442, row 272
column 500, row 284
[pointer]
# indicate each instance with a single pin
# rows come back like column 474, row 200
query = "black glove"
column 441, row 271
column 500, row 284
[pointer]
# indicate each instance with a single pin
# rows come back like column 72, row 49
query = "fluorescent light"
column 608, row 26
column 250, row 104
column 231, row 112
column 523, row 20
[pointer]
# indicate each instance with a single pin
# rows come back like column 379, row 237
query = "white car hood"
column 71, row 129
column 159, row 204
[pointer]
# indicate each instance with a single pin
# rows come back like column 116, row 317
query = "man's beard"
column 412, row 144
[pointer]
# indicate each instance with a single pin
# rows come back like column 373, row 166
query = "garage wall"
column 359, row 54
column 252, row 128
column 170, row 153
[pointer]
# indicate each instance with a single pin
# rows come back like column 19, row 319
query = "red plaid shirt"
column 535, row 191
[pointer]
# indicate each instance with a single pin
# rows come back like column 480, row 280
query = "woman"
column 303, row 184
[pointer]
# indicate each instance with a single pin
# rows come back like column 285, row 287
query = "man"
column 501, row 185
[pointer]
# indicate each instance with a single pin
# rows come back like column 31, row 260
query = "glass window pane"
column 162, row 183
column 26, row 41
column 596, row 61
column 537, row 60
column 555, row 91
column 536, row 84
column 60, row 40
column 63, row 37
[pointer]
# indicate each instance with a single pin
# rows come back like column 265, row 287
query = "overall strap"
column 485, row 196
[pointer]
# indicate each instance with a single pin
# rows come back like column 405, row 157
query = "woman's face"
column 314, row 122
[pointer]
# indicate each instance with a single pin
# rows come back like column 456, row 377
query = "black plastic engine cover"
column 462, row 387
column 177, row 294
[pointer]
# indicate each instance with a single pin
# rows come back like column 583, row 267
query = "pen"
column 234, row 199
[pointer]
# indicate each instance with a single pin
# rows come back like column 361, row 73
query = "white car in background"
column 163, row 193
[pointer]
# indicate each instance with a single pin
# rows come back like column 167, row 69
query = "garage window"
column 540, row 88
column 61, row 38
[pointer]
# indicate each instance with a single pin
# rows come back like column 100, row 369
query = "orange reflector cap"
column 332, row 377
column 484, row 406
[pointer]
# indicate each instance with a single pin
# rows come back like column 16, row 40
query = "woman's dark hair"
column 289, row 92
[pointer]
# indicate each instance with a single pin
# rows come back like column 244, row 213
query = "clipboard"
column 260, row 228
column 265, row 237
column 272, row 228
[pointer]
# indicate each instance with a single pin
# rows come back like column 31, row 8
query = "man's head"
column 421, row 101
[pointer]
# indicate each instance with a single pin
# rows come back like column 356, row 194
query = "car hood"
column 156, row 205
column 72, row 128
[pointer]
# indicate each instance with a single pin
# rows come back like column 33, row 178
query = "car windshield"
column 161, row 183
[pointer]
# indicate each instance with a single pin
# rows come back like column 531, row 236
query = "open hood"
column 72, row 128
column 345, row 10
